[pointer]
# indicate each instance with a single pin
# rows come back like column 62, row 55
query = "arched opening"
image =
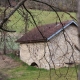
column 34, row 64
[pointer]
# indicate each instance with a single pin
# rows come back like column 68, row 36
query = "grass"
column 41, row 18
column 26, row 72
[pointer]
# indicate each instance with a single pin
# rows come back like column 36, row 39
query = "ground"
column 14, row 69
column 6, row 63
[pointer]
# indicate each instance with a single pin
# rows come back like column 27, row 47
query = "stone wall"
column 31, row 53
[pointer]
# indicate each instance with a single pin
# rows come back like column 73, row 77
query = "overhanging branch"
column 7, row 30
column 11, row 13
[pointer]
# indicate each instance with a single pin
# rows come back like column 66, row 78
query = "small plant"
column 13, row 56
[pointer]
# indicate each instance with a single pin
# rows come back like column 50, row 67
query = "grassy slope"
column 25, row 72
column 30, row 73
column 41, row 18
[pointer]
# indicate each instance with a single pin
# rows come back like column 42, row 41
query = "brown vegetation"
column 67, row 5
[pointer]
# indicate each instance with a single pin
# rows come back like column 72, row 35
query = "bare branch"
column 11, row 13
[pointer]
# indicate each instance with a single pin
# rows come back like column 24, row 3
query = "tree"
column 22, row 5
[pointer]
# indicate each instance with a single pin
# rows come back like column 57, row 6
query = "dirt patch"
column 3, row 77
column 7, row 62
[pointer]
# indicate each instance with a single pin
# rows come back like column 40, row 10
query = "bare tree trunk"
column 78, row 16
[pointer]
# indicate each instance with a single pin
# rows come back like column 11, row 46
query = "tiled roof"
column 48, row 31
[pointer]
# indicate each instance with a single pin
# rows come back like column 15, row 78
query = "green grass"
column 16, row 21
column 41, row 18
column 26, row 72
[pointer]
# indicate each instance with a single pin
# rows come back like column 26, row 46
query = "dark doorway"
column 34, row 64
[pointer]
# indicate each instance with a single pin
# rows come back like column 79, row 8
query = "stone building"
column 51, row 45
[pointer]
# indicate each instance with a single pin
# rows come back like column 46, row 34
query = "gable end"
column 72, row 22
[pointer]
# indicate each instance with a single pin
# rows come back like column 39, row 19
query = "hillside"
column 41, row 18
